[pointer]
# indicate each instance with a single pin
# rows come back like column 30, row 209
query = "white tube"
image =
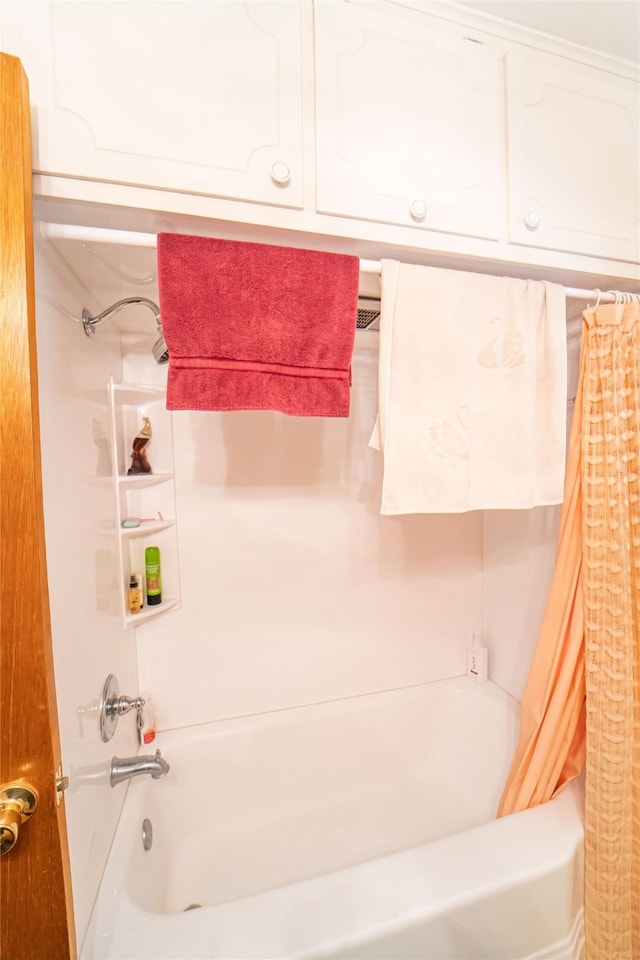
column 61, row 231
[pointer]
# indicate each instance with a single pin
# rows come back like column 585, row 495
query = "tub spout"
column 124, row 768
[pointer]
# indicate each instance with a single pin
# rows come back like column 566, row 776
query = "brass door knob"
column 18, row 802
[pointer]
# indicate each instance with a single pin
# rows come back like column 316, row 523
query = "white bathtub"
column 357, row 828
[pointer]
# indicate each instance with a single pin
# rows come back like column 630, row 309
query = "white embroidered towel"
column 472, row 385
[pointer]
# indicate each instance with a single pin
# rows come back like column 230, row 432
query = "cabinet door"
column 203, row 97
column 573, row 158
column 409, row 121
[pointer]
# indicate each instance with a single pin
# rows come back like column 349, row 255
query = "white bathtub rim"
column 254, row 925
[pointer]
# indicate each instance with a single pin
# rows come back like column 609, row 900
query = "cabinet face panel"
column 202, row 97
column 409, row 121
column 574, row 168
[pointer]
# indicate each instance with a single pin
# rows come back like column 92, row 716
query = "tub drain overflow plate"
column 147, row 834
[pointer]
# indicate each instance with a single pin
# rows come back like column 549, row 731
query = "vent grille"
column 368, row 314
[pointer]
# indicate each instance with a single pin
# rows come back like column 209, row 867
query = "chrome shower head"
column 159, row 349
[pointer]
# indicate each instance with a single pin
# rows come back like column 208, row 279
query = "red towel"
column 257, row 327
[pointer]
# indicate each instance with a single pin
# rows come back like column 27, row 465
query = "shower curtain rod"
column 61, row 231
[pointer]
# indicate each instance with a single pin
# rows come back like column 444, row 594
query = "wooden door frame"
column 36, row 906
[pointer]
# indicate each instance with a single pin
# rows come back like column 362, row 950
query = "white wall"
column 88, row 640
column 294, row 589
column 517, row 566
column 518, row 559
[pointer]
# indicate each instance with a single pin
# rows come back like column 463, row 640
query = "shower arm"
column 89, row 322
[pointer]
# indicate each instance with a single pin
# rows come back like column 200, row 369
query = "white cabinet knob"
column 418, row 209
column 532, row 220
column 280, row 173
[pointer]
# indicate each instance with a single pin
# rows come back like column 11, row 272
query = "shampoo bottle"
column 153, row 576
column 477, row 661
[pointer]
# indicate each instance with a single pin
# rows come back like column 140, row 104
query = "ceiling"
column 608, row 26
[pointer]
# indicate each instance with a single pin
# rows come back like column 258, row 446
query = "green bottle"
column 152, row 575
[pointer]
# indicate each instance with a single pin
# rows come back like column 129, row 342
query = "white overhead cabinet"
column 410, row 121
column 574, row 167
column 446, row 137
column 196, row 97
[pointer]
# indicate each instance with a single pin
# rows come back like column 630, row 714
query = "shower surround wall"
column 88, row 640
column 519, row 548
column 294, row 589
column 518, row 559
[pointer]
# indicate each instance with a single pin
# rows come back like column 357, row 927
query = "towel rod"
column 62, row 231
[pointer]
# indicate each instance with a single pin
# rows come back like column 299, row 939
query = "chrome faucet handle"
column 122, row 705
column 113, row 706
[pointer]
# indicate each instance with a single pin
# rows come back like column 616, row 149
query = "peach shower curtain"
column 551, row 744
column 611, row 582
column 606, row 479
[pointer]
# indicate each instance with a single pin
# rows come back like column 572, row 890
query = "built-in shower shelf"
column 135, row 394
column 146, row 529
column 138, row 480
column 144, row 495
column 133, row 619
